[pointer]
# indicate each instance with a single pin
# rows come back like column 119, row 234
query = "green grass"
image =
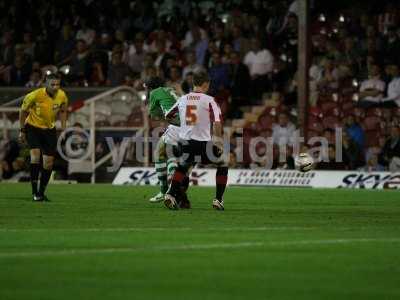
column 105, row 242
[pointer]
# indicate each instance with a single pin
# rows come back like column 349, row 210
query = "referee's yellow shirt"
column 42, row 108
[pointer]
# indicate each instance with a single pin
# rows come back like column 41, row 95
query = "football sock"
column 161, row 169
column 44, row 180
column 221, row 179
column 171, row 167
column 35, row 169
column 176, row 181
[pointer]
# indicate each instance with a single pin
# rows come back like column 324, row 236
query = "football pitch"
column 108, row 242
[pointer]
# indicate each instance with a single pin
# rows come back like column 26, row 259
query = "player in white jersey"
column 200, row 139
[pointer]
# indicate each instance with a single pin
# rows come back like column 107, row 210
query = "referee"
column 37, row 127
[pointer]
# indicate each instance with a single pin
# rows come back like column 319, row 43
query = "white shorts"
column 171, row 135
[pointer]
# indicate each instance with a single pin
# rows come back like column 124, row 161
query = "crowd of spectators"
column 249, row 49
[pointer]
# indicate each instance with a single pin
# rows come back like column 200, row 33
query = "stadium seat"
column 315, row 112
column 266, row 121
column 121, row 108
column 376, row 111
column 371, row 123
column 117, row 119
column 347, row 106
column 331, row 122
column 315, row 126
column 103, row 123
column 328, row 106
column 313, row 133
column 371, row 137
column 104, row 109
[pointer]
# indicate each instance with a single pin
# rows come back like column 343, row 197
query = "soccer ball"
column 303, row 162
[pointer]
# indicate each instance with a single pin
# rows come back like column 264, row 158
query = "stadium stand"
column 249, row 48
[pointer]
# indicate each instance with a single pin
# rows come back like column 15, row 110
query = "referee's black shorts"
column 202, row 152
column 43, row 139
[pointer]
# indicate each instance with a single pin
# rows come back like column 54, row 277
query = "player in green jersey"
column 160, row 101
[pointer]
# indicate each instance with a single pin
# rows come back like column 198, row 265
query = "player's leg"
column 33, row 140
column 172, row 164
column 161, row 170
column 188, row 150
column 35, row 170
column 175, row 189
column 221, row 178
column 48, row 163
column 216, row 157
column 49, row 145
column 174, row 151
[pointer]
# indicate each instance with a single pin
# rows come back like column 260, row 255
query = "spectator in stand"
column 65, row 45
column 211, row 49
column 371, row 158
column 136, row 55
column 7, row 49
column 187, row 84
column 199, row 46
column 192, row 66
column 239, row 42
column 162, row 57
column 354, row 131
column 332, row 164
column 353, row 155
column 391, row 46
column 105, row 43
column 96, row 77
column 371, row 36
column 393, row 92
column 288, row 39
column 28, row 45
column 329, row 135
column 219, row 75
column 8, row 159
column 260, row 63
column 191, row 34
column 148, row 64
column 239, row 79
column 175, row 77
column 119, row 39
column 390, row 154
column 35, row 79
column 351, row 54
column 118, row 72
column 218, row 34
column 330, row 77
column 372, row 89
column 80, row 62
column 19, row 73
column 332, row 50
column 85, row 33
column 226, row 54
column 283, row 132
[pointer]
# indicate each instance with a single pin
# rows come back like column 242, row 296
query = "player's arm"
column 154, row 108
column 64, row 113
column 27, row 103
column 218, row 129
column 173, row 113
column 63, row 116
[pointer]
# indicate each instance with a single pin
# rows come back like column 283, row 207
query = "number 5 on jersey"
column 191, row 115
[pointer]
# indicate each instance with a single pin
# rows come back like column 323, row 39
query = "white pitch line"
column 139, row 229
column 77, row 251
